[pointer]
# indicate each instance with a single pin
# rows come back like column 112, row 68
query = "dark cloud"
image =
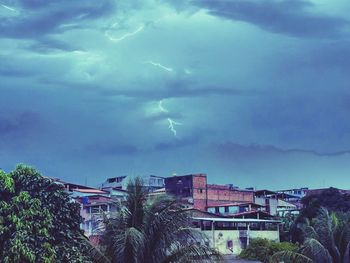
column 8, row 70
column 47, row 45
column 177, row 143
column 335, row 55
column 235, row 150
column 181, row 89
column 38, row 18
column 111, row 148
column 18, row 124
column 291, row 17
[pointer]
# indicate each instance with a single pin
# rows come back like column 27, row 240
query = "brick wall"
column 199, row 191
column 218, row 194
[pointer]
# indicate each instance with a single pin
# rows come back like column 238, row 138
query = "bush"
column 262, row 249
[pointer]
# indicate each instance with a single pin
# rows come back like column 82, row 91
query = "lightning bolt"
column 9, row 8
column 126, row 35
column 160, row 106
column 159, row 65
column 172, row 123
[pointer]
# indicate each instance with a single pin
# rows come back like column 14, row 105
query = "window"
column 200, row 190
column 111, row 180
column 211, row 209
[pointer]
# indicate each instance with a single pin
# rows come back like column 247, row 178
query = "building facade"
column 151, row 182
column 231, row 235
column 195, row 192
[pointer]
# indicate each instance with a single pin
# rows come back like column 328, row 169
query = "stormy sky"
column 251, row 92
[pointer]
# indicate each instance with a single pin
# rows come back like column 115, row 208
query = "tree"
column 154, row 229
column 38, row 220
column 262, row 249
column 327, row 240
column 332, row 199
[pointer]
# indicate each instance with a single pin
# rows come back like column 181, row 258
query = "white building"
column 231, row 235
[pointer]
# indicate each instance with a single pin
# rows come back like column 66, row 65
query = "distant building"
column 296, row 192
column 275, row 203
column 94, row 205
column 151, row 182
column 194, row 191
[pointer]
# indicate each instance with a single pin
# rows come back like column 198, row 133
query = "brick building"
column 194, row 190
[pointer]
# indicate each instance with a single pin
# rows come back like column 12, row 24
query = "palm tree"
column 153, row 229
column 327, row 240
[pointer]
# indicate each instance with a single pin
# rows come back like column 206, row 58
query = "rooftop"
column 236, row 220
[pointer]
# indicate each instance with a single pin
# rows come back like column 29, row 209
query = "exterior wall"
column 222, row 195
column 222, row 237
column 152, row 182
column 270, row 203
column 194, row 189
column 200, row 191
column 298, row 192
column 180, row 186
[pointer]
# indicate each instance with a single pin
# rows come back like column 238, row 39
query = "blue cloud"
column 290, row 17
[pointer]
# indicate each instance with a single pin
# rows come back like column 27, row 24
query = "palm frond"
column 201, row 253
column 313, row 249
column 346, row 257
column 290, row 257
column 94, row 253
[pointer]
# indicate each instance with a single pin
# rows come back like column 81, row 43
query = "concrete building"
column 152, row 182
column 195, row 192
column 231, row 235
column 296, row 192
column 275, row 203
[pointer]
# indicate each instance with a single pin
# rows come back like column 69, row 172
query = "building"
column 231, row 235
column 275, row 203
column 152, row 182
column 94, row 205
column 296, row 192
column 194, row 191
column 230, row 209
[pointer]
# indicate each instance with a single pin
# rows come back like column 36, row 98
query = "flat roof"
column 236, row 220
column 235, row 204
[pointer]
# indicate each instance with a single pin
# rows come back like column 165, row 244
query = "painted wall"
column 222, row 237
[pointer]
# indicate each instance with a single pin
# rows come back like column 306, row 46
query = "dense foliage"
column 153, row 230
column 331, row 199
column 326, row 240
column 262, row 249
column 38, row 222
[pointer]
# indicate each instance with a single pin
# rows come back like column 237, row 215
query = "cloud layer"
column 249, row 92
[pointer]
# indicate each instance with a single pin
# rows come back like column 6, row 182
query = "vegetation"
column 326, row 240
column 262, row 249
column 331, row 199
column 287, row 226
column 153, row 230
column 38, row 222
